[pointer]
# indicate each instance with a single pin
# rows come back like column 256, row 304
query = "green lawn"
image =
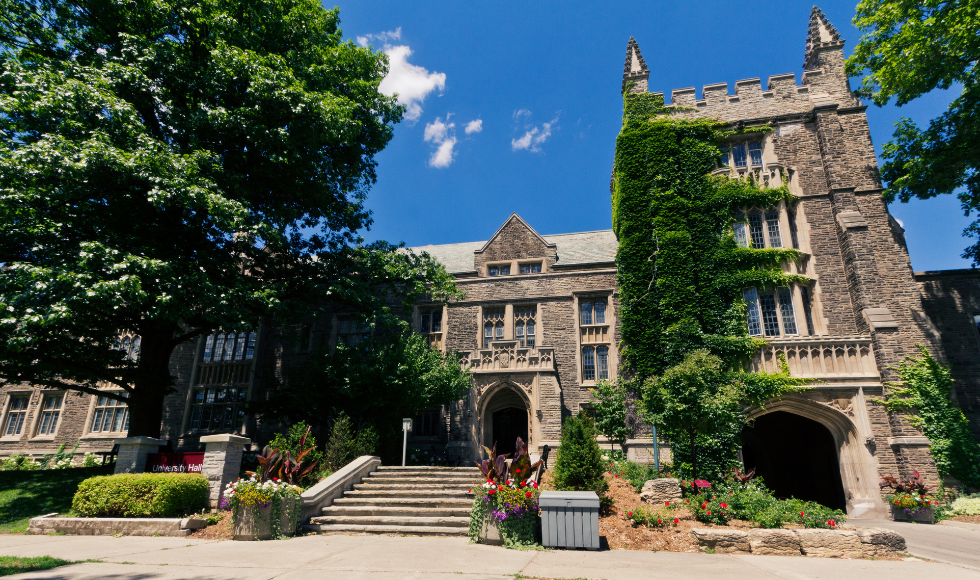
column 17, row 565
column 28, row 494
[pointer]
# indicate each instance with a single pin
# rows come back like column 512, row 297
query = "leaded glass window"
column 755, row 229
column 770, row 320
column 111, row 416
column 531, row 268
column 602, row 362
column 738, row 154
column 807, row 310
column 772, row 226
column 786, row 310
column 16, row 414
column 741, row 230
column 218, row 408
column 755, row 153
column 752, row 302
column 228, row 347
column 493, row 325
column 498, row 270
column 588, row 363
column 524, row 325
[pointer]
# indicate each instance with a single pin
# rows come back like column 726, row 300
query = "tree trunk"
column 694, row 456
column 153, row 383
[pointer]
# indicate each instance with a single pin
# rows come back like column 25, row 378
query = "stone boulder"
column 774, row 542
column 830, row 543
column 723, row 541
column 658, row 491
column 878, row 542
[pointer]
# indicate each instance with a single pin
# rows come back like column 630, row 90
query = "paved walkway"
column 390, row 558
column 951, row 542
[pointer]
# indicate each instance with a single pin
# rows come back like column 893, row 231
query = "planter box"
column 115, row 526
column 925, row 516
column 490, row 534
column 253, row 523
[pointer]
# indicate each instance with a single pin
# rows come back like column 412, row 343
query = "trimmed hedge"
column 142, row 495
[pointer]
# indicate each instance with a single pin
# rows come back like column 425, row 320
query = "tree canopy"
column 171, row 167
column 910, row 48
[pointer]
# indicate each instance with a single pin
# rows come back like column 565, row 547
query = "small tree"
column 701, row 402
column 344, row 445
column 579, row 466
column 924, row 393
column 609, row 408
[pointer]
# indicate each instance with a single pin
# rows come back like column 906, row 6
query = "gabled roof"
column 513, row 217
column 575, row 249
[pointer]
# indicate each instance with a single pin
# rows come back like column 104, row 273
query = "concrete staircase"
column 404, row 500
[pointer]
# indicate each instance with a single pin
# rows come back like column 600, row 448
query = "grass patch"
column 28, row 494
column 17, row 565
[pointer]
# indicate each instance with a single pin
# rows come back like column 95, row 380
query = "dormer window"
column 531, row 268
column 498, row 270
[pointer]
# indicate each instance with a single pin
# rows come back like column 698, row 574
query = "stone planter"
column 925, row 516
column 254, row 523
column 490, row 533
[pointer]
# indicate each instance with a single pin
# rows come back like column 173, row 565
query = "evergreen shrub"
column 138, row 495
column 344, row 445
column 580, row 466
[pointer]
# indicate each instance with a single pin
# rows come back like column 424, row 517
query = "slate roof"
column 578, row 249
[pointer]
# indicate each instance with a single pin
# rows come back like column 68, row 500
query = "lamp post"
column 406, row 427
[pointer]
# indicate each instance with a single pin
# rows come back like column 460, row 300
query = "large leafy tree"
column 910, row 48
column 170, row 167
column 392, row 374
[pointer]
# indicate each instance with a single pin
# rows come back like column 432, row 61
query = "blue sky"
column 515, row 107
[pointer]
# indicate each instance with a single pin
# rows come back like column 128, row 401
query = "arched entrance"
column 796, row 456
column 505, row 418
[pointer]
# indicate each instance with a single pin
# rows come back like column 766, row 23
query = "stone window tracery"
column 493, row 325
column 524, row 325
column 594, row 337
column 771, row 312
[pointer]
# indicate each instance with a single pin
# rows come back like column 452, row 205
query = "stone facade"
column 550, row 303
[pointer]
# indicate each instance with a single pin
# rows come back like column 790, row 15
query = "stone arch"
column 496, row 398
column 858, row 467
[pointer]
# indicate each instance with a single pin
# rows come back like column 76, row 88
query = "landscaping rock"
column 658, row 491
column 774, row 542
column 723, row 541
column 878, row 542
column 830, row 544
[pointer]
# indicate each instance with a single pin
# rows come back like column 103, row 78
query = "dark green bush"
column 142, row 495
column 580, row 466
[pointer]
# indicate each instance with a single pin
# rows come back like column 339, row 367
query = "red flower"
column 660, row 521
column 666, row 503
column 528, row 494
column 470, row 491
column 629, row 514
column 517, row 470
column 492, row 491
column 802, row 514
column 616, row 476
column 724, row 505
column 610, row 473
column 676, row 520
column 709, row 512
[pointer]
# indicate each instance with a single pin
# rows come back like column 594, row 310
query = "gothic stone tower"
column 863, row 312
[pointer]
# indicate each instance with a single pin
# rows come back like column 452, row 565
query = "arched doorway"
column 796, row 456
column 505, row 418
column 508, row 424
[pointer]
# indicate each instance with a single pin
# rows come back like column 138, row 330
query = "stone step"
column 426, row 468
column 403, row 502
column 421, row 488
column 413, row 530
column 425, row 480
column 407, row 493
column 393, row 511
column 455, row 522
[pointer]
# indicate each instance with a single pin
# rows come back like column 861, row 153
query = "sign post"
column 656, row 450
column 406, row 427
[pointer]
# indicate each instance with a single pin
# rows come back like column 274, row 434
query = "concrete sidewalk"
column 949, row 542
column 386, row 557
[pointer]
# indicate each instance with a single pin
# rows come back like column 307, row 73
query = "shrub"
column 635, row 473
column 142, row 495
column 655, row 517
column 344, row 446
column 750, row 500
column 579, row 466
column 966, row 506
column 295, row 440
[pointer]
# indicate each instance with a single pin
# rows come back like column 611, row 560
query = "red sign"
column 174, row 462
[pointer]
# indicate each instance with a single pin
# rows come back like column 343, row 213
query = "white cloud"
column 521, row 113
column 533, row 136
column 443, row 135
column 384, row 37
column 410, row 82
column 474, row 126
column 444, row 154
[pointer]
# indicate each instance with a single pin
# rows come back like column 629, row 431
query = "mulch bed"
column 219, row 531
column 967, row 519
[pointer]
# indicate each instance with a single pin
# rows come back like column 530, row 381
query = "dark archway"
column 796, row 456
column 508, row 425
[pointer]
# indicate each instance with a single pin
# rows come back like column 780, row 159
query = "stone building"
column 539, row 326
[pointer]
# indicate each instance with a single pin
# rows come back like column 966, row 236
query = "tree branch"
column 68, row 386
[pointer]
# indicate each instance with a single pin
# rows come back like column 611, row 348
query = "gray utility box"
column 570, row 519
